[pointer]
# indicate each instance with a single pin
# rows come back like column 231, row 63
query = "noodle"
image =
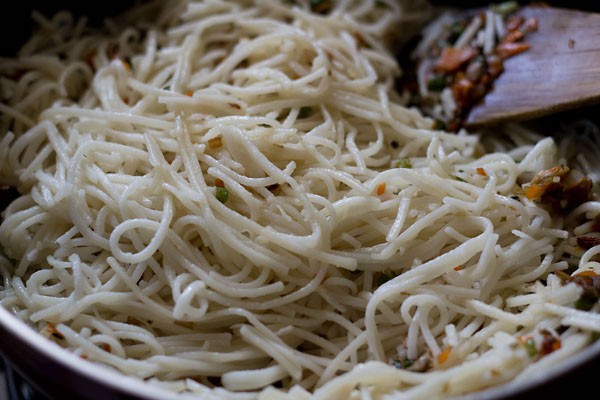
column 230, row 197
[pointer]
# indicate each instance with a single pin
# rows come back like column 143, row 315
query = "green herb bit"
column 222, row 194
column 402, row 364
column 386, row 276
column 530, row 347
column 456, row 30
column 436, row 83
column 458, row 178
column 305, row 112
column 505, row 8
column 439, row 125
column 403, row 163
column 584, row 304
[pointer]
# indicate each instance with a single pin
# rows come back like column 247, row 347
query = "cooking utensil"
column 560, row 71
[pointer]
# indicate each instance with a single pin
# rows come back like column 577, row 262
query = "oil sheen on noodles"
column 232, row 200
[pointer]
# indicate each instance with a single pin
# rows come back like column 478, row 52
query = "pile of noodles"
column 229, row 198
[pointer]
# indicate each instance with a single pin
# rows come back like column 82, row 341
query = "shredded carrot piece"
column 219, row 183
column 459, row 268
column 534, row 192
column 481, row 171
column 563, row 275
column 587, row 273
column 507, row 50
column 514, row 22
column 443, row 356
column 126, row 65
column 215, row 142
column 189, row 93
column 50, row 330
column 556, row 345
column 105, row 346
column 513, row 36
column 381, row 189
column 452, row 58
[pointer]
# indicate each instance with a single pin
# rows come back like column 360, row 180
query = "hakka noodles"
column 234, row 200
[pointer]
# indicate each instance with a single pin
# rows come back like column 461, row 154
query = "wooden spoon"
column 560, row 71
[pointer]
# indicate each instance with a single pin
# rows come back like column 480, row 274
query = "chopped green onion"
column 403, row 163
column 458, row 178
column 456, row 30
column 402, row 364
column 530, row 347
column 436, row 83
column 508, row 7
column 222, row 194
column 439, row 124
column 305, row 112
column 386, row 276
column 584, row 304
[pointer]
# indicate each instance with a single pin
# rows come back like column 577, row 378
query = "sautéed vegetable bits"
column 461, row 56
column 230, row 198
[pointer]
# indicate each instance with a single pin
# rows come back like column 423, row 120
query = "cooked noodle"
column 234, row 197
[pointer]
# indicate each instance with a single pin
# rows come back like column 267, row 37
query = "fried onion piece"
column 560, row 187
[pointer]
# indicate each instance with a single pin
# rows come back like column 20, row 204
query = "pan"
column 57, row 374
